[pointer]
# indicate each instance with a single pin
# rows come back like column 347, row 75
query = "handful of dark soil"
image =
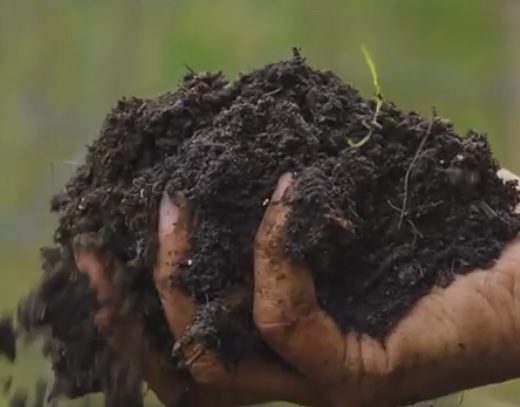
column 379, row 221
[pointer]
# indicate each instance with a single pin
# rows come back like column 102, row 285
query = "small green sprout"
column 379, row 98
column 373, row 70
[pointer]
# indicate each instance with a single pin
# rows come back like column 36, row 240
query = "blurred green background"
column 64, row 63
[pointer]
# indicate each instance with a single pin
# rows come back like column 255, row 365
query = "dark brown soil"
column 379, row 223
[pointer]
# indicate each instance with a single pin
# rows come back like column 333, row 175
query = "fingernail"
column 168, row 214
column 283, row 183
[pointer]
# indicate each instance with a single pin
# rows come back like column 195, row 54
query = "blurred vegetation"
column 63, row 64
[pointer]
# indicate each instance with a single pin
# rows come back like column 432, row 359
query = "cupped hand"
column 454, row 338
column 209, row 382
column 457, row 337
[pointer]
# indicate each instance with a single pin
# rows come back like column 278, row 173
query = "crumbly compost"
column 387, row 205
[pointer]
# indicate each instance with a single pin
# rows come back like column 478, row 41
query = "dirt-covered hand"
column 454, row 338
column 125, row 334
column 251, row 381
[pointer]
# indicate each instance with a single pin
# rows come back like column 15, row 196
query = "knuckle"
column 204, row 372
column 275, row 329
column 278, row 328
column 276, row 333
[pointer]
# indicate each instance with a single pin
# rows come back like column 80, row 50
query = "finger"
column 174, row 234
column 129, row 342
column 255, row 379
column 91, row 261
column 122, row 331
column 285, row 306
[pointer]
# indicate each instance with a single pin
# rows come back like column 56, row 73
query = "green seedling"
column 379, row 98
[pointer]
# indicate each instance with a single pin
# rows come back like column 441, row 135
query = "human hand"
column 210, row 383
column 454, row 338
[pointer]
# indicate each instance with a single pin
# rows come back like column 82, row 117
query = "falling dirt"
column 7, row 339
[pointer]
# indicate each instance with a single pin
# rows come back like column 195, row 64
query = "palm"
column 454, row 338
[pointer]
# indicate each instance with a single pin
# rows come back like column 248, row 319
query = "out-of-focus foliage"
column 63, row 64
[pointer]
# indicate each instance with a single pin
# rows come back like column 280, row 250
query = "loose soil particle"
column 379, row 224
